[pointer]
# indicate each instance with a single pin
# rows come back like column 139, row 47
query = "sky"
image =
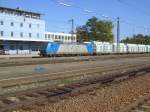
column 134, row 14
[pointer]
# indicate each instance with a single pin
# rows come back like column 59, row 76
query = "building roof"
column 60, row 33
column 19, row 10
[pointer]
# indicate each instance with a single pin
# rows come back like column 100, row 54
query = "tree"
column 96, row 30
column 82, row 32
column 137, row 39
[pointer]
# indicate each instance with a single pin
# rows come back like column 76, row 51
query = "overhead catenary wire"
column 135, row 26
column 88, row 11
column 91, row 11
column 138, row 9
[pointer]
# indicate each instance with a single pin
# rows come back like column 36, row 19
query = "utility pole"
column 72, row 27
column 118, row 35
column 133, row 31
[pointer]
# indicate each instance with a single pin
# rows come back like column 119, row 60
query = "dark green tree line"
column 96, row 30
column 137, row 39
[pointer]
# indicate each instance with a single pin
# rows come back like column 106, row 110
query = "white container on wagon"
column 132, row 48
column 102, row 47
column 142, row 48
column 122, row 48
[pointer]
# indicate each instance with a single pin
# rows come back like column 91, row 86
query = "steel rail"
column 65, row 74
column 54, row 94
column 9, row 63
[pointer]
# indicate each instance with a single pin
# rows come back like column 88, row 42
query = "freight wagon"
column 91, row 48
column 58, row 49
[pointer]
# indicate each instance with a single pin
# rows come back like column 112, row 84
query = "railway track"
column 40, row 96
column 36, row 61
column 12, row 85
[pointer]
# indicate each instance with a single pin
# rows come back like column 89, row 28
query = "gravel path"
column 106, row 99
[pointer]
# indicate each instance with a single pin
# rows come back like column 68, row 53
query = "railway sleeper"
column 46, row 93
column 65, row 89
column 107, row 81
column 54, row 99
column 8, row 105
column 2, row 104
column 26, row 103
column 54, row 95
column 6, row 101
column 84, row 89
column 125, row 77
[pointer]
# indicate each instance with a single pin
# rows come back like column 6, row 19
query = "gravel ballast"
column 104, row 99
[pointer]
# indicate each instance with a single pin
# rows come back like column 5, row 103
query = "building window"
column 68, row 38
column 62, row 37
column 2, row 23
column 12, row 34
column 21, row 34
column 52, row 36
column 2, row 33
column 59, row 37
column 71, row 38
column 30, row 26
column 49, row 36
column 65, row 37
column 12, row 47
column 45, row 36
column 30, row 35
column 55, row 36
column 12, row 24
column 38, row 35
column 21, row 47
column 21, row 24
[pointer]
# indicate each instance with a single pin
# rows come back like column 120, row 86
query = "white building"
column 23, row 32
column 60, row 37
